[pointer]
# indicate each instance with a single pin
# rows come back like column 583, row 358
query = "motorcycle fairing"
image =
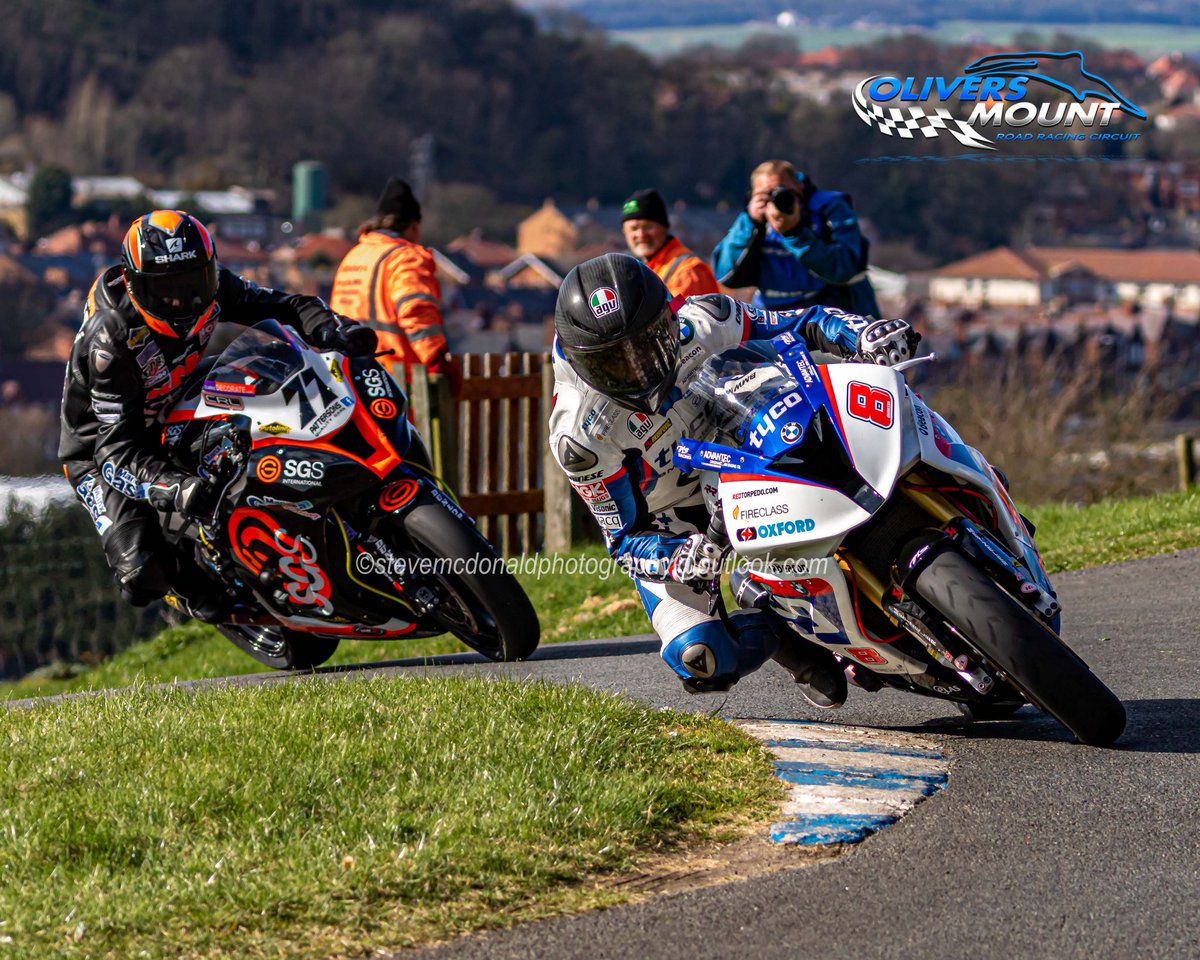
column 821, row 609
column 295, row 557
column 866, row 401
column 310, row 404
column 943, row 449
column 287, row 560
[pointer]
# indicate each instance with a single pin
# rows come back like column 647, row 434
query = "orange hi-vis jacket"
column 684, row 273
column 391, row 285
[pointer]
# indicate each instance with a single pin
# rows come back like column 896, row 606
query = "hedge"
column 58, row 602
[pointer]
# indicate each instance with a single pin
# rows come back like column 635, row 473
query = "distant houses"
column 1059, row 277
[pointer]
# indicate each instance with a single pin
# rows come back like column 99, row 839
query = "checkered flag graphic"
column 906, row 122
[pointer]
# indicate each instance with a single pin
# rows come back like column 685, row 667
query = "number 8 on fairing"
column 870, row 403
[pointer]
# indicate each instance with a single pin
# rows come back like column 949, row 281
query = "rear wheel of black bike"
column 279, row 647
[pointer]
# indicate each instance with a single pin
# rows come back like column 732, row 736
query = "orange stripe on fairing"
column 349, row 630
column 385, row 458
column 300, row 446
column 166, row 219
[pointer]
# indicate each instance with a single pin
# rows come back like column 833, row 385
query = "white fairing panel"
column 767, row 514
column 821, row 609
column 870, row 401
column 315, row 402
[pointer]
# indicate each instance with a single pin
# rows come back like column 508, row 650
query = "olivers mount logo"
column 1003, row 89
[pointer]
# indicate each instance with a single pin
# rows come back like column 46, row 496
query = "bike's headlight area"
column 827, row 463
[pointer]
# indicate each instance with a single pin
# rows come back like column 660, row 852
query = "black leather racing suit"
column 121, row 380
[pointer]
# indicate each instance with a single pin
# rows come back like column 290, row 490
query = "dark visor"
column 176, row 296
column 633, row 365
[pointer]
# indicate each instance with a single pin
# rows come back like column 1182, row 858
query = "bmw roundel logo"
column 790, row 432
column 686, row 331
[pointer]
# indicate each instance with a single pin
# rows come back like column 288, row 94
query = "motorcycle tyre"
column 287, row 650
column 1043, row 668
column 498, row 595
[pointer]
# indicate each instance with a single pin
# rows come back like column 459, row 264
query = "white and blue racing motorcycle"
column 870, row 527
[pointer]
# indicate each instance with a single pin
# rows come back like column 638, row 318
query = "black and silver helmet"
column 617, row 330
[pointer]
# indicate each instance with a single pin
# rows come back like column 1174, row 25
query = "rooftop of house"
column 1114, row 265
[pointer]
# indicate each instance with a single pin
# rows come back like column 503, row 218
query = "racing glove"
column 346, row 336
column 696, row 560
column 887, row 342
column 190, row 496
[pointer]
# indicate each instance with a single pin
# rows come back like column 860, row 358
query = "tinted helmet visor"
column 637, row 370
column 175, row 297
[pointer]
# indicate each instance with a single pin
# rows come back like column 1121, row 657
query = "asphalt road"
column 1039, row 847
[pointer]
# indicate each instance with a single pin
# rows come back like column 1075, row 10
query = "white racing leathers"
column 620, row 463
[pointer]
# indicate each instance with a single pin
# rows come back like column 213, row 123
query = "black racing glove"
column 346, row 336
column 190, row 496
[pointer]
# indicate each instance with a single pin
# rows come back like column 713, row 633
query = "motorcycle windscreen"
column 736, row 386
column 257, row 363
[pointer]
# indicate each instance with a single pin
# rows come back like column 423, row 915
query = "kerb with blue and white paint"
column 845, row 784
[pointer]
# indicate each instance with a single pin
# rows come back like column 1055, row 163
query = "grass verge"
column 1072, row 537
column 324, row 818
column 574, row 603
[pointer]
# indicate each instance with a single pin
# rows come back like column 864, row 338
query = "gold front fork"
column 867, row 583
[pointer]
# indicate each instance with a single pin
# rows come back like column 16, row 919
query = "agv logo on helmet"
column 604, row 301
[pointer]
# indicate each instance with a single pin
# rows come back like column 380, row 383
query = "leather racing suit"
column 121, row 381
column 620, row 463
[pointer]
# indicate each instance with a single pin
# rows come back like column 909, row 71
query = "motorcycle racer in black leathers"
column 145, row 325
column 624, row 356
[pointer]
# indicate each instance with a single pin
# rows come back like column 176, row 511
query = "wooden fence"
column 491, row 446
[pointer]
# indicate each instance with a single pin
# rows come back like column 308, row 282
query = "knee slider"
column 702, row 652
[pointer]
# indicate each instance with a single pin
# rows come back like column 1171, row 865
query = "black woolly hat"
column 397, row 198
column 645, row 205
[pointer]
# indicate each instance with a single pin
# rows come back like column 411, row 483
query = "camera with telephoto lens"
column 784, row 199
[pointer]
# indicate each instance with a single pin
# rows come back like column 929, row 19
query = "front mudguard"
column 1027, row 586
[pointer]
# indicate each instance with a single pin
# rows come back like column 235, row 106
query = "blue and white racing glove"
column 887, row 342
column 697, row 560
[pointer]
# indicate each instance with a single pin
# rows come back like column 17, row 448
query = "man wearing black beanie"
column 388, row 282
column 647, row 232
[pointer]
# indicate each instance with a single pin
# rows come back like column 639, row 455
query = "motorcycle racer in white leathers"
column 624, row 356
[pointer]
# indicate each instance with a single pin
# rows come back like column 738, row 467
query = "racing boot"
column 815, row 670
column 209, row 607
column 194, row 594
column 718, row 684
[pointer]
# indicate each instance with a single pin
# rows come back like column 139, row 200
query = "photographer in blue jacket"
column 798, row 245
